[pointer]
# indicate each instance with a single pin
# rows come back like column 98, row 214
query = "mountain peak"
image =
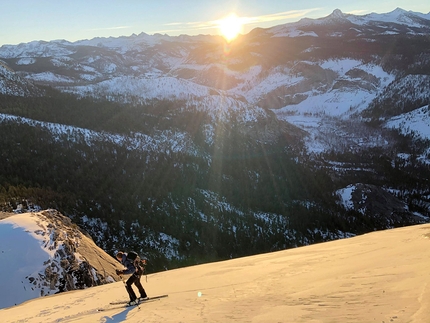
column 337, row 13
column 399, row 10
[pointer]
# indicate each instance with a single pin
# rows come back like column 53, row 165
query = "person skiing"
column 136, row 271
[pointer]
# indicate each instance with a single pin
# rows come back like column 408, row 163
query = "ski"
column 141, row 301
column 119, row 305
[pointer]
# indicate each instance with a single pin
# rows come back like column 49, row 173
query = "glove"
column 118, row 272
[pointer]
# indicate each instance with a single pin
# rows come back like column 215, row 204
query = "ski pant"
column 134, row 279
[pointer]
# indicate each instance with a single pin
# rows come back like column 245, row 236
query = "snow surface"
column 312, row 113
column 345, row 195
column 24, row 249
column 338, row 102
column 415, row 123
column 25, row 61
column 385, row 273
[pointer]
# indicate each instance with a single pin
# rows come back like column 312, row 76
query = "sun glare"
column 230, row 27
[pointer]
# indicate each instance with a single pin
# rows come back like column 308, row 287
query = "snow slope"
column 343, row 101
column 26, row 250
column 415, row 123
column 377, row 277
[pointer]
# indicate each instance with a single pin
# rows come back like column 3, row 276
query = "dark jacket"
column 131, row 269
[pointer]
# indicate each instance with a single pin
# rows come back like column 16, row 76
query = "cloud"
column 285, row 16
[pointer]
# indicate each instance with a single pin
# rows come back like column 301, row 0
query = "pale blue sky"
column 28, row 20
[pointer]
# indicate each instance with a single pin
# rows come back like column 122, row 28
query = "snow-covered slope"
column 13, row 84
column 350, row 92
column 43, row 253
column 377, row 277
column 414, row 123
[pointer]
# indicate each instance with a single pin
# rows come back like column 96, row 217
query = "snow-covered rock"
column 44, row 253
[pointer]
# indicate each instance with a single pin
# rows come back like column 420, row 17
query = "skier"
column 136, row 271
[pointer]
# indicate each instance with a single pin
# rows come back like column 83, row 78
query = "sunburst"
column 230, row 27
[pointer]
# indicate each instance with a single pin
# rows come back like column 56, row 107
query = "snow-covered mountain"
column 333, row 66
column 415, row 22
column 43, row 253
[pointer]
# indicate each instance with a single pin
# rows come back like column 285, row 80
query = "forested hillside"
column 182, row 206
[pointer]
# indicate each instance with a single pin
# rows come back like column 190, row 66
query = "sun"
column 230, row 27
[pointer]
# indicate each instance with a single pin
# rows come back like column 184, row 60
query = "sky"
column 23, row 21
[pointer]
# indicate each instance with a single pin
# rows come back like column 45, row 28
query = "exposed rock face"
column 75, row 261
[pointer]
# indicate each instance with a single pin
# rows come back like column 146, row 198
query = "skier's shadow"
column 118, row 318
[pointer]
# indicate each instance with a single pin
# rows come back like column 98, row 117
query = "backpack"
column 137, row 262
column 132, row 256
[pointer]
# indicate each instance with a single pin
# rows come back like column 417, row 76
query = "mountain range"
column 190, row 149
